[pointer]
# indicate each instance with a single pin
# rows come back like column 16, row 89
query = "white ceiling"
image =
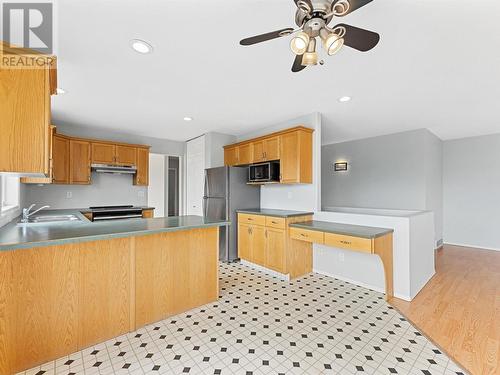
column 437, row 66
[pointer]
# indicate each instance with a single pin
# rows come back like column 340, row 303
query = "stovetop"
column 109, row 207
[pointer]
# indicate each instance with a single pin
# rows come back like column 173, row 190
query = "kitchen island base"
column 56, row 300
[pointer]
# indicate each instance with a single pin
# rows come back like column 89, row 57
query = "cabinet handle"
column 274, row 222
column 250, row 219
column 303, row 235
column 346, row 242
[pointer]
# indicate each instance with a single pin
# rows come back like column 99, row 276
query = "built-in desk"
column 368, row 240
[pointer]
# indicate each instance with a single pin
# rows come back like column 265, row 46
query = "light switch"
column 69, row 194
column 141, row 193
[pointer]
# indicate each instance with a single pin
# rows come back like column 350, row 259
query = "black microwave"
column 264, row 172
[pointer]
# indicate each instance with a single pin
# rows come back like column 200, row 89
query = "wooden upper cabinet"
column 231, row 156
column 60, row 159
column 296, row 157
column 258, row 152
column 245, row 154
column 126, row 155
column 292, row 147
column 141, row 178
column 25, row 121
column 103, row 153
column 49, row 178
column 79, row 162
column 272, row 148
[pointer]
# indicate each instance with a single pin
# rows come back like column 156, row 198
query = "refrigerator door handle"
column 207, row 193
column 205, row 207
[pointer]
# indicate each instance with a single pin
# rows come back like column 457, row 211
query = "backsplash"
column 106, row 189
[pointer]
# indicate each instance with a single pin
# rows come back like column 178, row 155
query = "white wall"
column 214, row 151
column 396, row 171
column 195, row 175
column 156, row 188
column 302, row 197
column 472, row 192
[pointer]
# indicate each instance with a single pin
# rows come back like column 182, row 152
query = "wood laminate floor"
column 459, row 309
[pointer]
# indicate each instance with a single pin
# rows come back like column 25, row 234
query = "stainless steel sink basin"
column 49, row 219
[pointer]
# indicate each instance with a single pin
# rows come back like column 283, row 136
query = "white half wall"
column 302, row 197
column 471, row 192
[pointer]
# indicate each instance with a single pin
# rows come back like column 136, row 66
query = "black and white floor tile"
column 264, row 325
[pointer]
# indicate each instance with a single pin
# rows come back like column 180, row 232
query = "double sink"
column 49, row 219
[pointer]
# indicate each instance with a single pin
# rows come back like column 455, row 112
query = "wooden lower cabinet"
column 56, row 300
column 266, row 243
column 275, row 249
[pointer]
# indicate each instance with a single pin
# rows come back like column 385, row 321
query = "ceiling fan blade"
column 353, row 5
column 360, row 39
column 297, row 64
column 264, row 37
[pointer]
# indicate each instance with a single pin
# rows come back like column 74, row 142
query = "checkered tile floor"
column 263, row 325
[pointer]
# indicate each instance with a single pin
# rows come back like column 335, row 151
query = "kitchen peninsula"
column 65, row 287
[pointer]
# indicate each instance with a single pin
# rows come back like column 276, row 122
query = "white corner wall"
column 302, row 197
column 471, row 182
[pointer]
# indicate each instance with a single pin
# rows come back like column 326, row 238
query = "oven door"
column 259, row 172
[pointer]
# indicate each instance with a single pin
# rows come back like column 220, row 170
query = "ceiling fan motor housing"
column 320, row 9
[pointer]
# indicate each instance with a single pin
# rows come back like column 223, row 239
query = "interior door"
column 275, row 249
column 195, row 176
column 156, row 187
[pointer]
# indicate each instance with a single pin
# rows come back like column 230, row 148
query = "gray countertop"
column 18, row 237
column 274, row 213
column 343, row 229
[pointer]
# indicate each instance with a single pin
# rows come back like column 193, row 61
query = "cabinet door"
column 142, row 176
column 258, row 244
column 79, row 162
column 245, row 154
column 125, row 155
column 61, row 160
column 231, row 156
column 275, row 249
column 24, row 121
column 103, row 153
column 244, row 242
column 258, row 151
column 272, row 148
column 289, row 166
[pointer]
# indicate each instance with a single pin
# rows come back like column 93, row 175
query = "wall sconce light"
column 340, row 167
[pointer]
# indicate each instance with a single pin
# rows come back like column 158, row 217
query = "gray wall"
column 105, row 189
column 158, row 145
column 214, row 151
column 396, row 171
column 472, row 191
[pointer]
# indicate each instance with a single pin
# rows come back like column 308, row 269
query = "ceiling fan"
column 312, row 18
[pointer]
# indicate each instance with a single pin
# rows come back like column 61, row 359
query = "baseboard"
column 363, row 285
column 473, row 246
column 265, row 270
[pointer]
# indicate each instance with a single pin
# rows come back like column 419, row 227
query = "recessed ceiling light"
column 188, row 119
column 60, row 91
column 345, row 99
column 141, row 46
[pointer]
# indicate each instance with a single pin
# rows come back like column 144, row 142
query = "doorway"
column 164, row 190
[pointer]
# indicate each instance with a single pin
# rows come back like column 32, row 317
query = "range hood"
column 114, row 169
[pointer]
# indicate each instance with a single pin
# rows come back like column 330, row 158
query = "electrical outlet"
column 69, row 194
column 141, row 194
column 341, row 256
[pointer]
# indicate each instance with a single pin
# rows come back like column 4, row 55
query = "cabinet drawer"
column 275, row 222
column 307, row 235
column 252, row 219
column 346, row 242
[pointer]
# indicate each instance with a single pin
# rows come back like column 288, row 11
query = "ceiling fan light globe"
column 333, row 44
column 310, row 58
column 299, row 43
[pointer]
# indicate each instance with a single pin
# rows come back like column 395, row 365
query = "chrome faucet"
column 27, row 212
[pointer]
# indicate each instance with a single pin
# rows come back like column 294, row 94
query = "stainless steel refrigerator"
column 226, row 191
